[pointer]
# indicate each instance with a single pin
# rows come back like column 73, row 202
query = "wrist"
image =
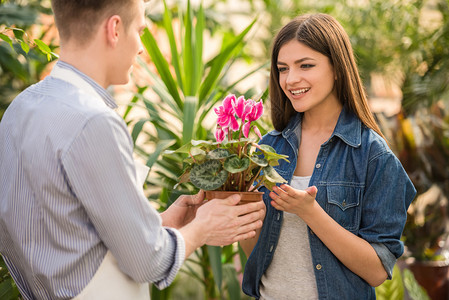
column 194, row 236
column 311, row 212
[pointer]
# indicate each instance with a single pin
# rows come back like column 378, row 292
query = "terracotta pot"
column 246, row 196
column 433, row 276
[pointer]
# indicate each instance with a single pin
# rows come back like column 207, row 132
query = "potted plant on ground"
column 234, row 162
column 421, row 141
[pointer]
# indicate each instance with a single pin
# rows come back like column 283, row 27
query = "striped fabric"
column 69, row 192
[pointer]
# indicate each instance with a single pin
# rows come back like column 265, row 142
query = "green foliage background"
column 405, row 41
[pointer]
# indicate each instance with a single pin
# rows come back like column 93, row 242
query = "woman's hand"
column 354, row 252
column 294, row 201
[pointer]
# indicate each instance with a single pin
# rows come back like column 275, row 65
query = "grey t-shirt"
column 290, row 274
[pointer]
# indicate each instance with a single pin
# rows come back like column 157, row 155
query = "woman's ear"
column 112, row 27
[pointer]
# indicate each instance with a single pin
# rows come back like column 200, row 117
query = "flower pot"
column 433, row 276
column 246, row 196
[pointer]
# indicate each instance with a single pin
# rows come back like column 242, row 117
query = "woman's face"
column 306, row 76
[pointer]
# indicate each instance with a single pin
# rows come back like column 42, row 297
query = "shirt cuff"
column 386, row 257
column 180, row 253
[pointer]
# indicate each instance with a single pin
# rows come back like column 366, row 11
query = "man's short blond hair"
column 79, row 19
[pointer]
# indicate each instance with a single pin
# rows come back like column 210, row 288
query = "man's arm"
column 101, row 172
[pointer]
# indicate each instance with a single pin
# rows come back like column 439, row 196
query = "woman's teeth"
column 300, row 91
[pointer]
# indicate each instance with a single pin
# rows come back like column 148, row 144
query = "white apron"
column 109, row 282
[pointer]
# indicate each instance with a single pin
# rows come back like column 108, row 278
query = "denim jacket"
column 361, row 185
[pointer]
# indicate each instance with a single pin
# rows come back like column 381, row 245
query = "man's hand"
column 183, row 210
column 223, row 222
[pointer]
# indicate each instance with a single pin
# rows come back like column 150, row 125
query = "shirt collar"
column 72, row 75
column 348, row 127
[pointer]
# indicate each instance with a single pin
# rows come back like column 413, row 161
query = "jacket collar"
column 348, row 128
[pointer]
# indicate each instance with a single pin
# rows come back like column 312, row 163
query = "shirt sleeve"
column 102, row 175
column 387, row 196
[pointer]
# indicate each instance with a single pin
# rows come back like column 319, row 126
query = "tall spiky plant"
column 187, row 88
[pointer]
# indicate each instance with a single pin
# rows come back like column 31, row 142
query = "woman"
column 334, row 231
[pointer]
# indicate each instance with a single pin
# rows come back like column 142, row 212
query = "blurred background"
column 199, row 51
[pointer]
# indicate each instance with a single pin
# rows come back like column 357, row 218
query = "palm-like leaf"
column 187, row 88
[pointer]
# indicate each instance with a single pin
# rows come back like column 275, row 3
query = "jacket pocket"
column 343, row 205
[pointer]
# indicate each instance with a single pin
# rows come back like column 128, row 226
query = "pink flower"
column 257, row 131
column 247, row 127
column 226, row 113
column 256, row 111
column 240, row 107
column 220, row 134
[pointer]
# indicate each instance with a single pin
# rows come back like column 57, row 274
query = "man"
column 74, row 221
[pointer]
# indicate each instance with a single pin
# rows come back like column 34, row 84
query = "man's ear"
column 113, row 29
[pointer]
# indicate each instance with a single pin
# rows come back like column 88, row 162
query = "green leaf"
column 25, row 47
column 208, row 175
column 218, row 153
column 42, row 46
column 137, row 129
column 161, row 146
column 232, row 284
column 260, row 161
column 270, row 154
column 187, row 148
column 235, row 165
column 391, row 289
column 6, row 39
column 18, row 33
column 415, row 291
column 189, row 118
column 242, row 256
column 215, row 263
column 218, row 63
column 184, row 149
column 173, row 48
column 201, row 143
column 140, row 91
column 9, row 62
column 8, row 290
column 161, row 64
column 199, row 29
column 267, row 148
column 189, row 59
column 270, row 174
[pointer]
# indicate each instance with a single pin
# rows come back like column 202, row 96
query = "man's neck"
column 86, row 59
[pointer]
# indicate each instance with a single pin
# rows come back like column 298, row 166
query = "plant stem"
column 253, row 179
column 209, row 282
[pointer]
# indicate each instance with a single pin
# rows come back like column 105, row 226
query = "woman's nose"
column 293, row 77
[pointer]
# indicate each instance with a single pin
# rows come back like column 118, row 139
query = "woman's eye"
column 282, row 69
column 307, row 66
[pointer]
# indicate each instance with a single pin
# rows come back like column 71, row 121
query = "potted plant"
column 422, row 144
column 234, row 162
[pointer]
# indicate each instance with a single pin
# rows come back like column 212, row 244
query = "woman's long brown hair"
column 325, row 35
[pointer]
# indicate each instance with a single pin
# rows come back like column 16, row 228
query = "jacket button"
column 311, row 232
column 318, row 166
column 271, row 248
column 343, row 203
column 279, row 216
column 318, row 267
